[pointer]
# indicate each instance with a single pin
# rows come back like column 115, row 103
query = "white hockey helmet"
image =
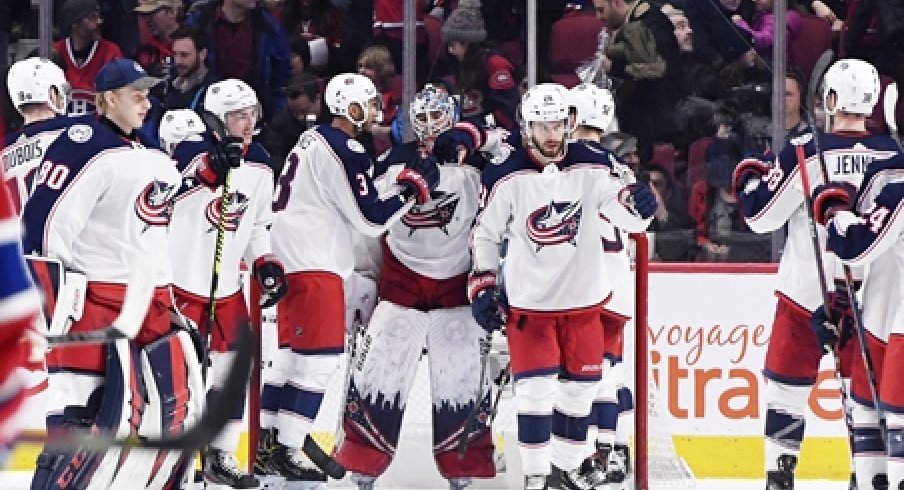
column 543, row 102
column 855, row 84
column 31, row 79
column 230, row 95
column 346, row 89
column 180, row 125
column 432, row 111
column 593, row 106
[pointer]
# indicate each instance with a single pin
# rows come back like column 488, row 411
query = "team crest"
column 554, row 224
column 80, row 133
column 235, row 210
column 154, row 205
column 437, row 213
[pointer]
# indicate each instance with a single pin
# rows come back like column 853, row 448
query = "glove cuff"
column 266, row 259
column 416, row 182
column 829, row 201
column 745, row 170
column 479, row 281
column 205, row 173
column 478, row 135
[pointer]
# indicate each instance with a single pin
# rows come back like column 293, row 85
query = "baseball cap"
column 150, row 6
column 123, row 72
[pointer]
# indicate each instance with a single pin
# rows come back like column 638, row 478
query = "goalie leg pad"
column 570, row 418
column 360, row 300
column 115, row 408
column 453, row 344
column 382, row 375
column 175, row 391
column 785, row 421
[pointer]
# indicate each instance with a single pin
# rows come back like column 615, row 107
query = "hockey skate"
column 221, row 472
column 535, row 482
column 783, row 478
column 282, row 468
column 616, row 461
column 587, row 476
column 363, row 482
column 266, row 473
column 460, row 483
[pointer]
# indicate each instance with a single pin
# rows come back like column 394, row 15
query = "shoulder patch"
column 802, row 139
column 355, row 146
column 80, row 133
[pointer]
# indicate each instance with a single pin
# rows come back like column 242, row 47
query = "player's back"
column 432, row 238
column 196, row 218
column 23, row 152
column 99, row 199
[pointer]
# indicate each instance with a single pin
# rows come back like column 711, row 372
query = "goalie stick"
column 815, row 77
column 219, row 408
column 138, row 295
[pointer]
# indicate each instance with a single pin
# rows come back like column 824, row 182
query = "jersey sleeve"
column 858, row 240
column 259, row 243
column 360, row 201
column 490, row 228
column 769, row 202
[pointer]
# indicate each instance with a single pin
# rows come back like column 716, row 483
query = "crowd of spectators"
column 691, row 78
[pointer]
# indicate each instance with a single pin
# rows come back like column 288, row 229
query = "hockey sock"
column 785, row 422
column 869, row 451
column 570, row 419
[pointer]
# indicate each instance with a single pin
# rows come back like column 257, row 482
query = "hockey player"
column 324, row 198
column 194, row 228
column 770, row 197
column 868, row 229
column 422, row 289
column 594, row 112
column 555, row 279
column 40, row 92
column 101, row 199
column 19, row 303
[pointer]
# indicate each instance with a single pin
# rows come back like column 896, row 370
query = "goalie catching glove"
column 224, row 156
column 487, row 306
column 833, row 323
column 268, row 271
column 419, row 178
column 830, row 198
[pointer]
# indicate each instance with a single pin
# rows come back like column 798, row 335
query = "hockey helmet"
column 855, row 84
column 180, row 125
column 432, row 111
column 346, row 89
column 31, row 79
column 544, row 102
column 230, row 95
column 593, row 106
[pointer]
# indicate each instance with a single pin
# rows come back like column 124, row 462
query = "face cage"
column 432, row 127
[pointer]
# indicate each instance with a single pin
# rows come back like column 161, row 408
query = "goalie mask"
column 179, row 125
column 544, row 118
column 432, row 112
column 592, row 106
column 346, row 89
column 855, row 84
column 31, row 80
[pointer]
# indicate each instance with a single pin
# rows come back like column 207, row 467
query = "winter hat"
column 74, row 10
column 465, row 23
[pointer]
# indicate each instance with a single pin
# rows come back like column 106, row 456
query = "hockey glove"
column 224, row 156
column 834, row 324
column 419, row 178
column 486, row 305
column 462, row 137
column 830, row 198
column 748, row 169
column 640, row 199
column 268, row 271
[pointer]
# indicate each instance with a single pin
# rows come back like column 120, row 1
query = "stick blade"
column 889, row 105
column 138, row 296
column 819, row 69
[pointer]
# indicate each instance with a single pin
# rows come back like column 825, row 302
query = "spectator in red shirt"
column 485, row 79
column 162, row 17
column 83, row 50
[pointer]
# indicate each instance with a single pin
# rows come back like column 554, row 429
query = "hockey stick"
column 214, row 418
column 888, row 110
column 820, row 68
column 138, row 295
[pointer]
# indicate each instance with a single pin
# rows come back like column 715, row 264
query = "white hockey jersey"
column 432, row 239
column 101, row 198
column 23, row 153
column 196, row 215
column 324, row 197
column 779, row 198
column 551, row 216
